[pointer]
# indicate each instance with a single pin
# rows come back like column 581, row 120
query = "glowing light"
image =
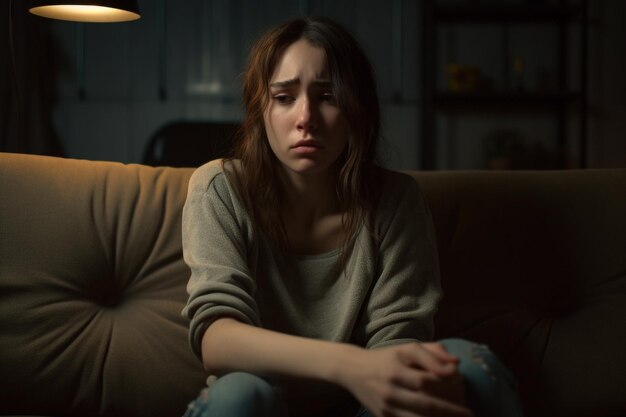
column 80, row 13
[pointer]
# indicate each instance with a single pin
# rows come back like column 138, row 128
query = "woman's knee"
column 491, row 388
column 477, row 361
column 240, row 394
column 241, row 385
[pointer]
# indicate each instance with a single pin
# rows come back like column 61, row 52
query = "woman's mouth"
column 307, row 146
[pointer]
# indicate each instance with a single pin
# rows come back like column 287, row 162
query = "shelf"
column 507, row 99
column 560, row 105
column 505, row 13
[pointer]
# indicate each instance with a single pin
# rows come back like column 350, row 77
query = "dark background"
column 101, row 91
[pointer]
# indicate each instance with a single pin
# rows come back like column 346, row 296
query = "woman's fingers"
column 440, row 351
column 408, row 381
column 450, row 388
column 415, row 379
column 417, row 355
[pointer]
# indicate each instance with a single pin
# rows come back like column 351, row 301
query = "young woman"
column 314, row 270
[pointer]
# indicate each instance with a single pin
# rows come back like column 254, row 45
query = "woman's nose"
column 306, row 117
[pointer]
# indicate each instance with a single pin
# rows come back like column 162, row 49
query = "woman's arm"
column 229, row 345
column 406, row 292
column 405, row 380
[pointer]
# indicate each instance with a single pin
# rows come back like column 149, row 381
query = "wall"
column 118, row 83
column 181, row 60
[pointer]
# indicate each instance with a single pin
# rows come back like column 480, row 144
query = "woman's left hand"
column 451, row 386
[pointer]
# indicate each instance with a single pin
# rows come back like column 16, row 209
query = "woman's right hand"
column 407, row 380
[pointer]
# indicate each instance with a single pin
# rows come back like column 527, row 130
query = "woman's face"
column 304, row 126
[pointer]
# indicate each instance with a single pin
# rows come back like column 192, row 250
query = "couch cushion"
column 91, row 289
column 534, row 264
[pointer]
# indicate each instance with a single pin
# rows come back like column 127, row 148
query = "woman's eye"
column 283, row 99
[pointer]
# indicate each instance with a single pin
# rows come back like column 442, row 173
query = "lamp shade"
column 104, row 11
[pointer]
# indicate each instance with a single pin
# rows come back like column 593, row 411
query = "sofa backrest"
column 91, row 289
column 534, row 265
column 92, row 283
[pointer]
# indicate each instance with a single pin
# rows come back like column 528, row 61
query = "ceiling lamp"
column 106, row 11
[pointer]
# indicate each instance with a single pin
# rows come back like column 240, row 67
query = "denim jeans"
column 490, row 390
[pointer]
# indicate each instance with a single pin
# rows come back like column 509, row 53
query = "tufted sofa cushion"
column 91, row 289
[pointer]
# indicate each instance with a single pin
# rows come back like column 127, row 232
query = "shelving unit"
column 560, row 100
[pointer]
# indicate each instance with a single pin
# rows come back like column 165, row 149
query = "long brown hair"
column 354, row 88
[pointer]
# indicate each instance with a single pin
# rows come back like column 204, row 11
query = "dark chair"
column 190, row 143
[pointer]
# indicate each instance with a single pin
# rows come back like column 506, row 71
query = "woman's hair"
column 354, row 89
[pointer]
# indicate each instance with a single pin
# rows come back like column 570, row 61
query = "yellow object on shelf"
column 463, row 78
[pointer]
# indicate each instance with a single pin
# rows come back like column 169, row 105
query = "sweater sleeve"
column 215, row 231
column 405, row 294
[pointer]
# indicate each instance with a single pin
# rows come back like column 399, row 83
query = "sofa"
column 92, row 283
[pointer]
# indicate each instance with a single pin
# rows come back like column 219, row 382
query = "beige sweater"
column 388, row 295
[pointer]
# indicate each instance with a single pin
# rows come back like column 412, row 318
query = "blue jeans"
column 490, row 390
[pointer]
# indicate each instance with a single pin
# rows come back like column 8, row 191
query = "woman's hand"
column 406, row 381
